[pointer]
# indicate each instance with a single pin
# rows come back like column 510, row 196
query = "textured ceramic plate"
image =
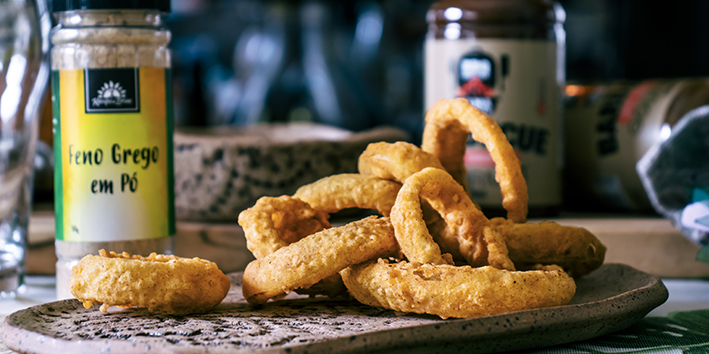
column 610, row 299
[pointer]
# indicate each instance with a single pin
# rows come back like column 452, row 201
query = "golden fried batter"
column 395, row 161
column 273, row 223
column 464, row 222
column 448, row 124
column 161, row 283
column 575, row 249
column 334, row 193
column 460, row 292
column 316, row 257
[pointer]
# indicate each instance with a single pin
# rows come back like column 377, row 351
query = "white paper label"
column 518, row 84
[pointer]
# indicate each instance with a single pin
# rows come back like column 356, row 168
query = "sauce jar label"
column 113, row 152
column 517, row 83
column 609, row 127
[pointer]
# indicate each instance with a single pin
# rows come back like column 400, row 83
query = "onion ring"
column 395, row 161
column 350, row 190
column 161, row 283
column 316, row 257
column 497, row 253
column 461, row 292
column 273, row 223
column 575, row 249
column 448, row 123
column 429, row 284
column 462, row 218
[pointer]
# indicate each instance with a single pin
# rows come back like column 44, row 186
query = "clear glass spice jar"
column 112, row 121
column 507, row 58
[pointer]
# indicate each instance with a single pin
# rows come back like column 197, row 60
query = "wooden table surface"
column 650, row 244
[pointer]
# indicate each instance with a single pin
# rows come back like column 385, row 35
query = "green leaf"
column 697, row 320
column 686, row 331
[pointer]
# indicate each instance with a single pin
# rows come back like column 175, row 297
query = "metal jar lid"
column 70, row 5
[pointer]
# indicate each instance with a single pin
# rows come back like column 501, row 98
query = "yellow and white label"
column 518, row 83
column 113, row 154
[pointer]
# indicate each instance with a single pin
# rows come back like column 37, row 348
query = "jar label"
column 608, row 128
column 113, row 154
column 518, row 84
column 112, row 90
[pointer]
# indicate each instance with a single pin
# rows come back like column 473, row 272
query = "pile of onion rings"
column 431, row 250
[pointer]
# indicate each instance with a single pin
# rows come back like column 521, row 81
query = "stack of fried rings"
column 457, row 262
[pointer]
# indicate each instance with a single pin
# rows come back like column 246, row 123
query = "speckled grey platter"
column 610, row 299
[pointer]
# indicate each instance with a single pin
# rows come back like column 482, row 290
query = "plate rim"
column 452, row 330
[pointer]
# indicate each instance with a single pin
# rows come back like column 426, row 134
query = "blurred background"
column 241, row 61
column 358, row 64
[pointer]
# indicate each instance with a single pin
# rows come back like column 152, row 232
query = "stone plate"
column 608, row 300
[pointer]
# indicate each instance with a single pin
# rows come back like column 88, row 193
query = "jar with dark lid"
column 112, row 122
column 507, row 58
column 512, row 19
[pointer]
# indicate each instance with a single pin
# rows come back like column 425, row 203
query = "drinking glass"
column 24, row 74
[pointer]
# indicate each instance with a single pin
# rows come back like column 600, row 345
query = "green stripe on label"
column 170, row 154
column 58, row 176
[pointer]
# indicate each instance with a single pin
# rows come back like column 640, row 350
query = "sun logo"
column 112, row 90
column 111, row 94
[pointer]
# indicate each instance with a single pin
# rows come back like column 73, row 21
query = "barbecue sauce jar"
column 507, row 58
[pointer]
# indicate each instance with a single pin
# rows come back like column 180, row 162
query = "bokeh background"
column 358, row 64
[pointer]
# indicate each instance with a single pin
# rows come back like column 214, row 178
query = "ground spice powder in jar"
column 507, row 58
column 112, row 121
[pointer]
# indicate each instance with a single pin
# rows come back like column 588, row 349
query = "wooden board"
column 652, row 245
column 649, row 244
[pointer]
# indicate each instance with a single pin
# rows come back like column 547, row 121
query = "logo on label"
column 112, row 90
column 476, row 79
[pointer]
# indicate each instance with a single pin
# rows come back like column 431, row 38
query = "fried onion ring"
column 273, row 223
column 462, row 218
column 448, row 123
column 395, row 161
column 461, row 292
column 575, row 249
column 316, row 257
column 162, row 283
column 350, row 190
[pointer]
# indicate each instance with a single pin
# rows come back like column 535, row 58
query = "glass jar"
column 112, row 121
column 24, row 74
column 507, row 58
column 610, row 126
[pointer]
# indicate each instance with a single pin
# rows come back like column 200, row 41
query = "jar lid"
column 69, row 5
column 495, row 11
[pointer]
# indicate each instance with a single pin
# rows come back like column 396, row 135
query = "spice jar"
column 507, row 58
column 610, row 126
column 112, row 121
